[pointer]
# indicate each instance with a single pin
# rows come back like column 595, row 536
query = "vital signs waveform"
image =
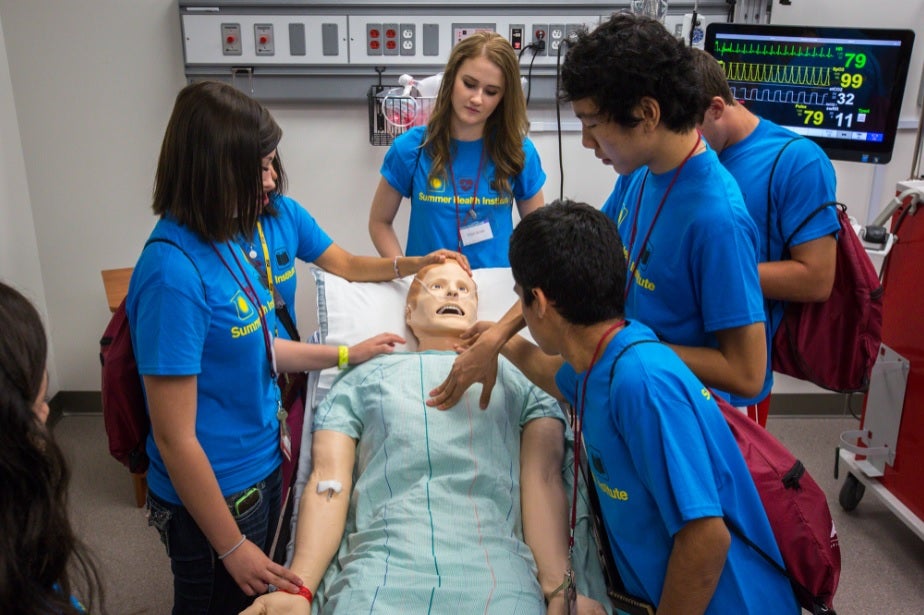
column 771, row 49
column 816, row 76
column 775, row 95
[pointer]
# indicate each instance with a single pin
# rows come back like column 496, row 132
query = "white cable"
column 895, row 203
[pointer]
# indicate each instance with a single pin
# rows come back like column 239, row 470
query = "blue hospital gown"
column 434, row 522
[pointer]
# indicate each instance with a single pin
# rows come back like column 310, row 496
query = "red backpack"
column 124, row 411
column 834, row 343
column 797, row 509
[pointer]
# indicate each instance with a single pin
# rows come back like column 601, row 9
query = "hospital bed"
column 350, row 312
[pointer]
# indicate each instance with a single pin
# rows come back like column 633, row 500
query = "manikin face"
column 478, row 89
column 447, row 302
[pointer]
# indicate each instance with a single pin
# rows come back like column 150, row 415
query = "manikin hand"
column 278, row 603
column 585, row 606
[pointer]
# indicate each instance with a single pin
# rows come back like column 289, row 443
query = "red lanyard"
column 633, row 263
column 455, row 197
column 579, row 425
column 251, row 295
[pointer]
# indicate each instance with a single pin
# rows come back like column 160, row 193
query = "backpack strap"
column 600, row 531
column 814, row 213
column 177, row 246
column 776, row 161
column 623, row 351
column 728, row 523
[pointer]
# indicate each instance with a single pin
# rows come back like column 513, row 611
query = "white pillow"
column 349, row 312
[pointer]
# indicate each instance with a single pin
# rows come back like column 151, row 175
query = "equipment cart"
column 886, row 455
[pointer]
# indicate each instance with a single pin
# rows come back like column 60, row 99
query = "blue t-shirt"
column 292, row 233
column 436, row 221
column 662, row 455
column 804, row 179
column 187, row 324
column 697, row 273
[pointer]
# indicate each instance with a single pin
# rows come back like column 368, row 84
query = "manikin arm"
column 321, row 522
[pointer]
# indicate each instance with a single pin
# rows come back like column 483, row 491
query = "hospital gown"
column 434, row 520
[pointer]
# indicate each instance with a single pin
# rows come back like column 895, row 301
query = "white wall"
column 19, row 255
column 92, row 84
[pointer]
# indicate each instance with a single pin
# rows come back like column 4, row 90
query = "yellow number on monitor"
column 851, row 80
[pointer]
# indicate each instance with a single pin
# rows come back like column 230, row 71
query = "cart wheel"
column 851, row 492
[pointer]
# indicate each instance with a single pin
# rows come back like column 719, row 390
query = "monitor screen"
column 840, row 87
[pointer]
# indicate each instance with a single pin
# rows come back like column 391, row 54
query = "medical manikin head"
column 442, row 302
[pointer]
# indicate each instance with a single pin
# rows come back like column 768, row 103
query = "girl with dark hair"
column 463, row 171
column 42, row 562
column 203, row 330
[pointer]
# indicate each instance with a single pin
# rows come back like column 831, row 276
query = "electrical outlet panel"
column 408, row 39
column 326, row 50
column 231, row 39
column 269, row 38
column 428, row 40
column 263, row 39
column 516, row 37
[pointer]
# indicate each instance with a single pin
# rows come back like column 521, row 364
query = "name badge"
column 476, row 232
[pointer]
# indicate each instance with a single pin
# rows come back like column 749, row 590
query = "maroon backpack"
column 834, row 343
column 797, row 509
column 124, row 412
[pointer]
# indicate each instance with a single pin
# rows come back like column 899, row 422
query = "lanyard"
column 251, row 295
column 266, row 260
column 634, row 262
column 579, row 425
column 455, row 196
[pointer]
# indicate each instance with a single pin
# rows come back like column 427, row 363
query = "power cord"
column 536, row 47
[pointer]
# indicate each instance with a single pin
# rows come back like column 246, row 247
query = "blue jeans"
column 201, row 584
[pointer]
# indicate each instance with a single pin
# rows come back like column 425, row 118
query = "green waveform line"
column 770, row 49
column 817, row 76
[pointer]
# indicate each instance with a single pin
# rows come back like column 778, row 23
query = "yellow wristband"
column 343, row 357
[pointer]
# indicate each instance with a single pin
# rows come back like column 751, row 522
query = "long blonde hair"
column 504, row 130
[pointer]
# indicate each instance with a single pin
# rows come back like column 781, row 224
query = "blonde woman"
column 466, row 168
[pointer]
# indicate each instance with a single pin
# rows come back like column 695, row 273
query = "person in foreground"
column 202, row 328
column 666, row 467
column 43, row 564
column 433, row 522
column 464, row 170
column 785, row 179
column 690, row 243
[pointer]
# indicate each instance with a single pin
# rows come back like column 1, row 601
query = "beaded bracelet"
column 234, row 548
column 304, row 592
